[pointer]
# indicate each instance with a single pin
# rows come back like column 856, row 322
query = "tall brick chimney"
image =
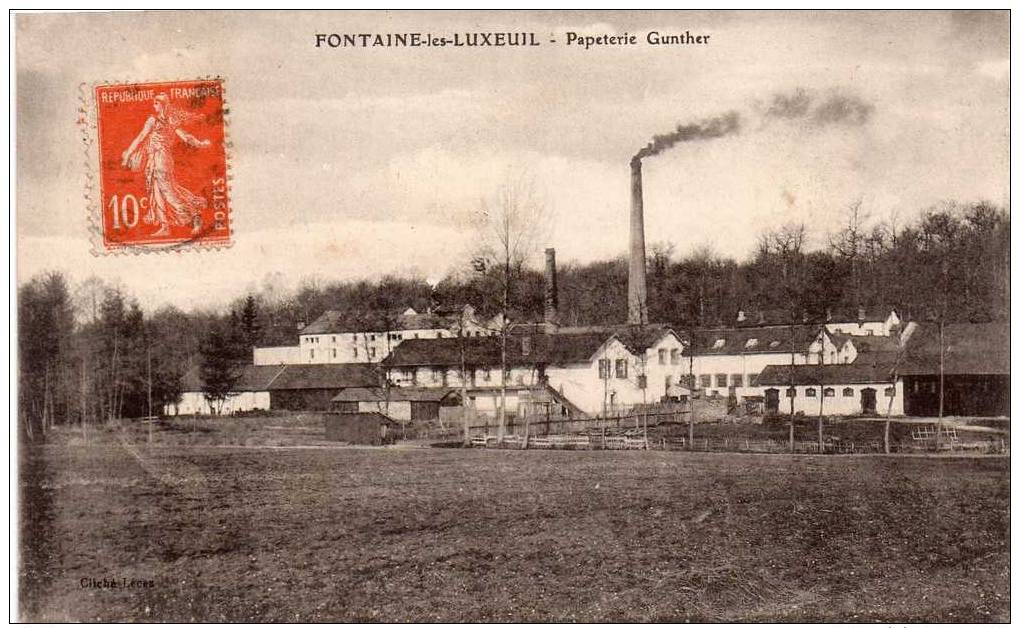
column 551, row 290
column 637, row 291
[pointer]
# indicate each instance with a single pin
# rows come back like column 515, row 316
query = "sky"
column 352, row 163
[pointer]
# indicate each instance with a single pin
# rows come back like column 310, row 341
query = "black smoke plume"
column 798, row 106
column 708, row 129
column 832, row 109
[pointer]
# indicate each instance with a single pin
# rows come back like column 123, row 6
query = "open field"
column 457, row 535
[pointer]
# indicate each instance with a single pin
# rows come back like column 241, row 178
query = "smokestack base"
column 551, row 316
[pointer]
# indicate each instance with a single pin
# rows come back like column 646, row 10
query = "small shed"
column 360, row 428
column 401, row 404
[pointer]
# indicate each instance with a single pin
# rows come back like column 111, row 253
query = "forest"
column 89, row 353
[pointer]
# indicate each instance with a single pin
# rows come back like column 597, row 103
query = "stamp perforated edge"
column 88, row 122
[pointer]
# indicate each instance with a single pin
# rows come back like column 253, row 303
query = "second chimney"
column 637, row 292
column 551, row 289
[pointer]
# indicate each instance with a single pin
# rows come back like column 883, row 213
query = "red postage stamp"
column 163, row 179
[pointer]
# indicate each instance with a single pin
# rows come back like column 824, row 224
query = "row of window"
column 371, row 337
column 371, row 353
column 736, row 380
column 751, row 343
column 890, row 391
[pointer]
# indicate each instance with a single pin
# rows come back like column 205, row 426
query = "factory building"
column 342, row 337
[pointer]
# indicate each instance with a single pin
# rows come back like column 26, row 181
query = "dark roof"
column 969, row 349
column 871, row 314
column 251, row 378
column 303, row 376
column 781, row 316
column 774, row 339
column 478, row 351
column 825, row 374
column 568, row 345
column 395, row 393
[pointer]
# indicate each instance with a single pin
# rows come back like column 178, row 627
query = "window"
column 830, row 392
column 604, row 369
column 415, row 334
column 371, row 352
column 810, row 392
column 668, row 383
column 334, row 339
column 848, row 392
column 311, row 354
column 832, row 357
column 486, row 374
column 719, row 343
column 791, row 392
column 720, row 380
column 334, row 353
column 621, row 368
column 736, row 380
column 674, row 356
column 706, row 381
column 751, row 343
column 437, row 373
column 372, row 337
column 662, row 356
column 355, row 352
column 890, row 391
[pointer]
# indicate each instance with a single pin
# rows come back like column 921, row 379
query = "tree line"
column 88, row 353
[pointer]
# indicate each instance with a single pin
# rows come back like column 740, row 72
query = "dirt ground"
column 425, row 535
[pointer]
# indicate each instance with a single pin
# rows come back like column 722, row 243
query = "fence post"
column 886, row 439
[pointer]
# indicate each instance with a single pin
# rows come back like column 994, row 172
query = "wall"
column 315, row 399
column 745, row 364
column 449, row 377
column 964, row 395
column 271, row 356
column 396, row 410
column 839, row 405
column 674, row 365
column 195, row 403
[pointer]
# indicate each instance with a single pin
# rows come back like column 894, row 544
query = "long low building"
column 831, row 389
column 286, row 387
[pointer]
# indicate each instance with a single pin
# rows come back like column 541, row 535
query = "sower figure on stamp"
column 168, row 199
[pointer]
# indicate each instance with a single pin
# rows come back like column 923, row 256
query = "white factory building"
column 343, row 337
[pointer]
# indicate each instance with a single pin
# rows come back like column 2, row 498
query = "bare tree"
column 509, row 223
column 850, row 244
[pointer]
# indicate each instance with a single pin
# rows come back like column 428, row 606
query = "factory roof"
column 305, row 376
column 824, row 374
column 968, row 349
column 250, row 378
column 348, row 321
column 568, row 345
column 744, row 340
column 395, row 393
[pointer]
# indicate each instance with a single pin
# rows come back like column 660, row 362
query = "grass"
column 496, row 535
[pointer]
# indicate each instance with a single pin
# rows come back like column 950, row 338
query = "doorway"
column 868, row 401
column 772, row 401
